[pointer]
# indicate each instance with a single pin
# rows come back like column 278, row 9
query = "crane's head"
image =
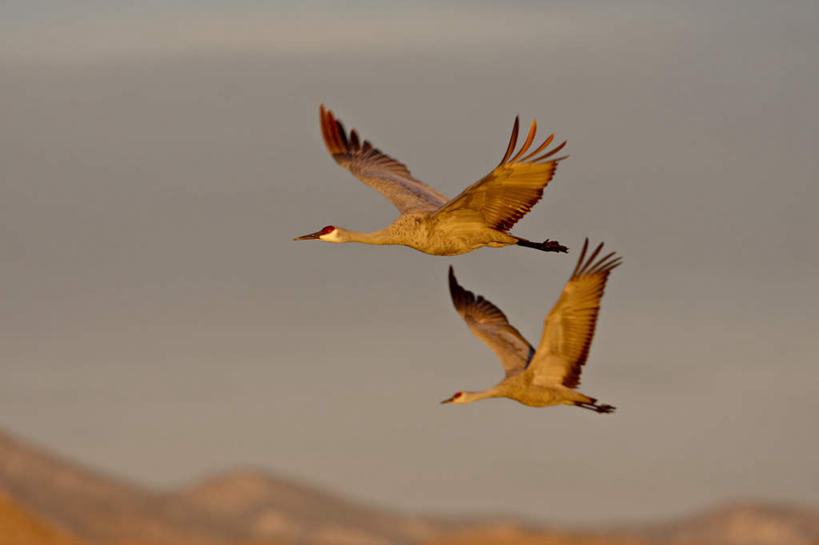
column 457, row 397
column 330, row 233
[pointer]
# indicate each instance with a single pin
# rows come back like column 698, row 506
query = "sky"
column 159, row 323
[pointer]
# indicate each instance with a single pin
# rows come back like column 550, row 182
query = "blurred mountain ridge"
column 18, row 526
column 46, row 499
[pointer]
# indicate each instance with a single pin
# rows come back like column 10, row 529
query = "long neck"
column 494, row 391
column 382, row 236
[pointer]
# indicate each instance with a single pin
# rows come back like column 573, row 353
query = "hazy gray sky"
column 158, row 322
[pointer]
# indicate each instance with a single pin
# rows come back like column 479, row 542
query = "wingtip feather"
column 590, row 260
column 453, row 283
column 529, row 139
column 580, row 259
column 592, row 264
column 460, row 296
column 540, row 148
column 550, row 153
column 513, row 140
column 341, row 135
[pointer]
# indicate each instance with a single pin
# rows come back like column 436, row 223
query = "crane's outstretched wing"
column 569, row 327
column 507, row 193
column 377, row 169
column 490, row 325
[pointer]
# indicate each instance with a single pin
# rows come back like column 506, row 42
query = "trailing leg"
column 594, row 406
column 545, row 246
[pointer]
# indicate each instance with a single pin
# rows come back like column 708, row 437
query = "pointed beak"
column 311, row 236
column 448, row 400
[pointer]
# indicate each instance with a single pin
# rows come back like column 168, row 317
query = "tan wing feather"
column 377, row 169
column 489, row 324
column 569, row 327
column 507, row 193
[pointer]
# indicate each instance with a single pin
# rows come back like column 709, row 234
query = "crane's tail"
column 592, row 405
column 545, row 246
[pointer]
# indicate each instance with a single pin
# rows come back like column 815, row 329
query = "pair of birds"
column 482, row 215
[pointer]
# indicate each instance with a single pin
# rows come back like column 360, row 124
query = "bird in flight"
column 549, row 375
column 480, row 216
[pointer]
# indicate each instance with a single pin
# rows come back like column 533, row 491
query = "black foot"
column 545, row 246
column 602, row 409
column 553, row 246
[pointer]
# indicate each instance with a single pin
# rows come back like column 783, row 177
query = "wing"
column 377, row 169
column 507, row 193
column 490, row 325
column 569, row 327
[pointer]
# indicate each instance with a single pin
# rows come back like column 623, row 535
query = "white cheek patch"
column 332, row 236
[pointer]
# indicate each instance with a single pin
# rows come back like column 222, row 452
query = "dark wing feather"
column 507, row 193
column 377, row 169
column 569, row 327
column 489, row 324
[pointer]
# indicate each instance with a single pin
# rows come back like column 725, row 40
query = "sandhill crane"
column 546, row 376
column 480, row 216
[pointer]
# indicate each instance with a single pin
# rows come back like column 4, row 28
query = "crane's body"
column 444, row 235
column 523, row 388
column 429, row 222
column 549, row 375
